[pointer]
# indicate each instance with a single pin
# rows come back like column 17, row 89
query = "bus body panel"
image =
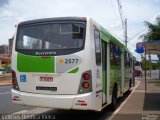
column 35, row 73
column 66, row 83
column 97, row 70
column 47, row 81
column 81, row 101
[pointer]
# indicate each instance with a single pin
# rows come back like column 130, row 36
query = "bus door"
column 127, row 71
column 132, row 71
column 104, row 72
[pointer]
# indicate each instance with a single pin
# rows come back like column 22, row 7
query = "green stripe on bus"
column 104, row 82
column 74, row 70
column 27, row 63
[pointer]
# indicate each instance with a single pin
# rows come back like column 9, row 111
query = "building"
column 5, row 54
column 5, row 60
column 4, row 49
column 10, row 45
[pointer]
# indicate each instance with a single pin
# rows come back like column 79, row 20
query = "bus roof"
column 113, row 39
column 80, row 19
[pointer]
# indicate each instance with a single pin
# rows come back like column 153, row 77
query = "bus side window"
column 115, row 54
column 127, row 59
column 97, row 47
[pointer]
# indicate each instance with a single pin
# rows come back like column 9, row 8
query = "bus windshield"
column 137, row 64
column 51, row 36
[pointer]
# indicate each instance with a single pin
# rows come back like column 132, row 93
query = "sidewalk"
column 5, row 80
column 141, row 105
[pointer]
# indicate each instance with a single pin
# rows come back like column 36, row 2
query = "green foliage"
column 153, row 33
column 154, row 66
column 153, row 30
column 157, row 85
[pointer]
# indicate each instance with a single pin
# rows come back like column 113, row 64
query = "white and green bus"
column 69, row 63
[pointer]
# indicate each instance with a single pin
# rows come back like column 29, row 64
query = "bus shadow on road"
column 79, row 114
column 152, row 102
column 83, row 115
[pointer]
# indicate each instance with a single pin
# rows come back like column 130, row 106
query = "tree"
column 153, row 33
column 153, row 30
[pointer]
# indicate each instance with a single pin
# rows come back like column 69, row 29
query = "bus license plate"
column 46, row 79
column 46, row 88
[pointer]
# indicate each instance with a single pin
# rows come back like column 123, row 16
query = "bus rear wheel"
column 114, row 98
column 130, row 84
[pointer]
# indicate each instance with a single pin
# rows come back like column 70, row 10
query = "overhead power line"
column 113, row 9
column 139, row 33
column 121, row 13
column 124, row 22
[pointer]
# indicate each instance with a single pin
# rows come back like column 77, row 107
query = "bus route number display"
column 71, row 61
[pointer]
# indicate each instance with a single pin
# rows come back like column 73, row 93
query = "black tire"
column 130, row 84
column 138, row 74
column 114, row 98
column 141, row 74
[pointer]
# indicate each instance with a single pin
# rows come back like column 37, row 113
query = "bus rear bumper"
column 80, row 101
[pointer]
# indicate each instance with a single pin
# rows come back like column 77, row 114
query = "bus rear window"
column 51, row 36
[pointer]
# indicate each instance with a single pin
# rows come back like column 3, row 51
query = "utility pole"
column 150, row 64
column 125, row 36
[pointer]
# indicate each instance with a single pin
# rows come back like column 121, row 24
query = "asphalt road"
column 105, row 114
column 6, row 105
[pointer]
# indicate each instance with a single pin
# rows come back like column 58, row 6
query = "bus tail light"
column 85, row 83
column 86, row 76
column 14, row 81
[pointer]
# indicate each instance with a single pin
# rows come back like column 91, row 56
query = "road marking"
column 4, row 93
column 37, row 110
column 14, row 114
column 27, row 114
column 124, row 102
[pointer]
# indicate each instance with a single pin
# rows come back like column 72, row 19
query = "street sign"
column 140, row 47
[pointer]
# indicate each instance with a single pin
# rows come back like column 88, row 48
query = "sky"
column 105, row 12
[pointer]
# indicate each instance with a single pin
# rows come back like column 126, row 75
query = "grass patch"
column 157, row 85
